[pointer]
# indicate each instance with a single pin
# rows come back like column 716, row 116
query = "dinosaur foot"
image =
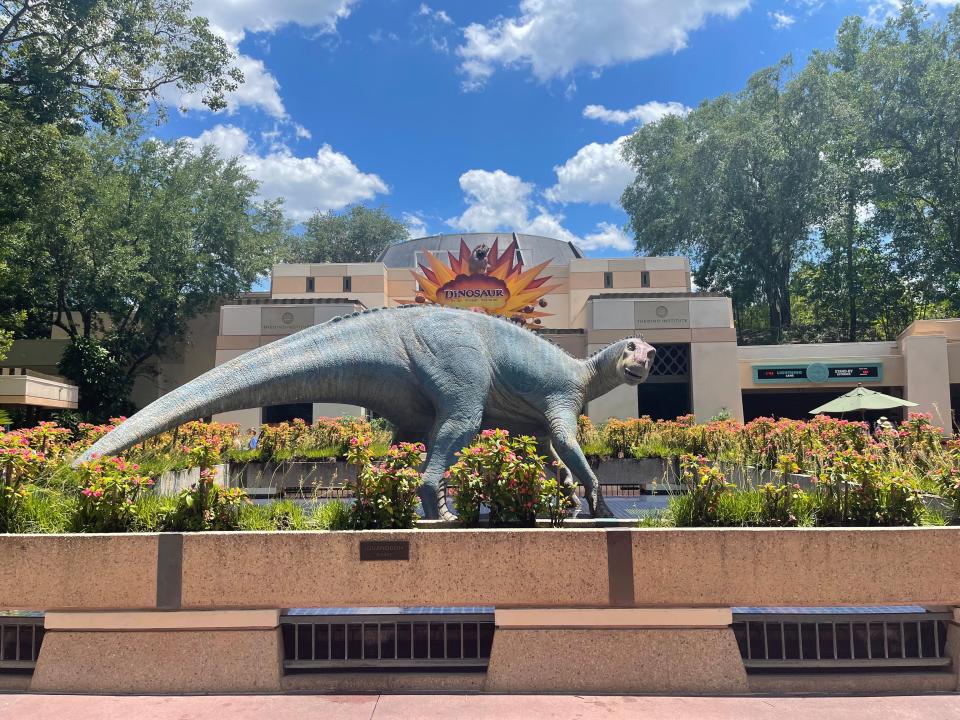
column 445, row 514
column 600, row 510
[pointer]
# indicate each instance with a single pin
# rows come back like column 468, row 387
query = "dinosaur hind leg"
column 564, row 436
column 447, row 437
column 564, row 476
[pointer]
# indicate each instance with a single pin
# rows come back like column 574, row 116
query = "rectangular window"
column 645, row 279
column 347, row 283
column 311, row 284
column 608, row 280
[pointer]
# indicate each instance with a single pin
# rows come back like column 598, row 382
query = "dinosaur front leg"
column 447, row 438
column 564, row 434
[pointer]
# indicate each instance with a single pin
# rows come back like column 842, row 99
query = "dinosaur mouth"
column 637, row 376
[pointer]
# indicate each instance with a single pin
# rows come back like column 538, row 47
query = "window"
column 645, row 279
column 608, row 279
column 311, row 284
column 347, row 283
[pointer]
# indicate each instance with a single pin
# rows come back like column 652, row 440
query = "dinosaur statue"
column 438, row 374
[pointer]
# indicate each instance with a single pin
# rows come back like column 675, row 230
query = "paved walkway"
column 479, row 707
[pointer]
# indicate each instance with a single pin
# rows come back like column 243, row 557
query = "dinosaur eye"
column 631, row 347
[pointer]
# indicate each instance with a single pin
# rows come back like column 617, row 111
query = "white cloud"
column 553, row 37
column 416, row 225
column 230, row 141
column 327, row 181
column 645, row 113
column 438, row 15
column 233, row 19
column 595, row 174
column 494, row 200
column 781, row 20
column 499, row 201
column 609, row 236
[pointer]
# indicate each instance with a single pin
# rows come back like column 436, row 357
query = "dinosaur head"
column 634, row 359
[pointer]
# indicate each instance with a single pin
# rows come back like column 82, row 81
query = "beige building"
column 591, row 302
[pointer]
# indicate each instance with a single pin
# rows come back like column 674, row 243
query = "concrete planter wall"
column 173, row 481
column 199, row 612
column 293, row 477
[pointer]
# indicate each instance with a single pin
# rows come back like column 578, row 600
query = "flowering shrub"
column 385, row 493
column 705, row 485
column 854, row 489
column 19, row 465
column 779, row 504
column 109, row 490
column 206, row 506
column 505, row 474
column 947, row 478
column 326, row 437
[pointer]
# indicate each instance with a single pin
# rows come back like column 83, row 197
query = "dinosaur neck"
column 601, row 374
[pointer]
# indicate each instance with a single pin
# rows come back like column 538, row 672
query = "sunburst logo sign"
column 485, row 280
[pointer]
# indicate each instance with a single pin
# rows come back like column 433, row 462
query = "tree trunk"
column 850, row 236
column 774, row 309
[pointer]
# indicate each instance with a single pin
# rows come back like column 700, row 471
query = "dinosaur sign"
column 486, row 280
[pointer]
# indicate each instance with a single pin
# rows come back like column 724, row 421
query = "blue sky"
column 481, row 116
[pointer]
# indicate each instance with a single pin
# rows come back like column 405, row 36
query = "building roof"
column 652, row 295
column 534, row 249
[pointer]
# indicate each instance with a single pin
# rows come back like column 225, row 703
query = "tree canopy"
column 62, row 61
column 358, row 234
column 829, row 195
column 128, row 240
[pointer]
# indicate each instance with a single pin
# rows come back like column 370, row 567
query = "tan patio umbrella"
column 860, row 399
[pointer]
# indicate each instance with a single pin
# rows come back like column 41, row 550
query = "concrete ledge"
column 398, row 682
column 89, row 572
column 614, row 618
column 839, row 683
column 623, row 660
column 530, row 568
column 221, row 661
column 161, row 620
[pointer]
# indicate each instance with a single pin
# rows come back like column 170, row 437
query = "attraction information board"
column 818, row 373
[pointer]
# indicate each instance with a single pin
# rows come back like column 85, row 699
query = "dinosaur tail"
column 282, row 372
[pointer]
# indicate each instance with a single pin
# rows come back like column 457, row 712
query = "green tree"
column 358, row 234
column 65, row 60
column 737, row 185
column 909, row 73
column 132, row 240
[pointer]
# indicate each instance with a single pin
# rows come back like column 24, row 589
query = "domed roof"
column 534, row 249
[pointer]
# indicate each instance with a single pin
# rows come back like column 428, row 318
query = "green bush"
column 385, row 494
column 108, row 495
column 506, row 474
column 706, row 486
column 206, row 506
column 19, row 465
column 854, row 489
column 331, row 515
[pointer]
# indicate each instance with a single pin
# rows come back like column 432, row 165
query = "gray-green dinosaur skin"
column 438, row 374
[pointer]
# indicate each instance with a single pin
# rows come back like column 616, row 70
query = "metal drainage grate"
column 834, row 638
column 20, row 639
column 387, row 638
